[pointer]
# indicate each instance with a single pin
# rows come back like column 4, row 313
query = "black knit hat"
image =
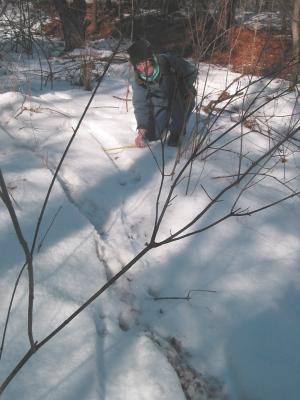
column 139, row 51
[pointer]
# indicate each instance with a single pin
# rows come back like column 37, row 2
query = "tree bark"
column 93, row 20
column 295, row 29
column 72, row 16
column 108, row 4
column 225, row 19
column 226, row 14
column 169, row 6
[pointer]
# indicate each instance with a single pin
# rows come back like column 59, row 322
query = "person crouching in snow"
column 163, row 93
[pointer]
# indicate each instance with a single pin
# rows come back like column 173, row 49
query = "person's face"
column 146, row 67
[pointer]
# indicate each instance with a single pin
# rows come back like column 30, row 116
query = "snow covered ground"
column 236, row 336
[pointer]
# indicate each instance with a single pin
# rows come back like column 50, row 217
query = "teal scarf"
column 154, row 74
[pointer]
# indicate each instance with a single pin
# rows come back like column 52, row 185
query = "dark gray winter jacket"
column 176, row 79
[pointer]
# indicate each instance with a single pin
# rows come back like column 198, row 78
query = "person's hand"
column 140, row 140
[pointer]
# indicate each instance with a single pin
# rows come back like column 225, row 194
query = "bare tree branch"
column 6, row 200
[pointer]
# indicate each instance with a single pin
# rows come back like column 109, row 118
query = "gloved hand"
column 140, row 140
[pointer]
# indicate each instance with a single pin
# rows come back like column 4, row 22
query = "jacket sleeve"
column 141, row 105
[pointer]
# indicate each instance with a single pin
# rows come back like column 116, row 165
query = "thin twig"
column 9, row 309
column 6, row 199
column 187, row 297
column 40, row 218
column 49, row 227
column 40, row 344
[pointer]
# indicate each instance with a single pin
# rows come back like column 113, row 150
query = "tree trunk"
column 226, row 14
column 225, row 20
column 108, row 4
column 93, row 20
column 72, row 17
column 258, row 6
column 295, row 29
column 169, row 6
column 94, row 12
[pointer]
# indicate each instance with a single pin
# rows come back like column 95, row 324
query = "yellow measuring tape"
column 128, row 146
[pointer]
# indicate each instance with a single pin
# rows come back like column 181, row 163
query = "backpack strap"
column 165, row 64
